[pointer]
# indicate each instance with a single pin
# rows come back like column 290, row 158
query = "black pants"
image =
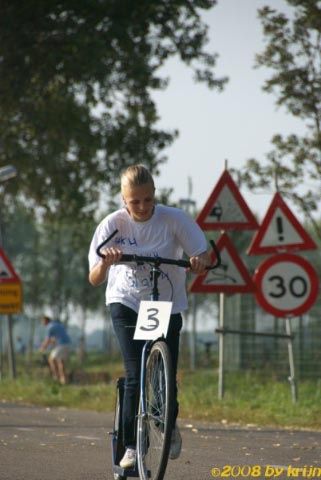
column 124, row 322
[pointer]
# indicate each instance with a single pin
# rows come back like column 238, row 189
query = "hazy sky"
column 236, row 124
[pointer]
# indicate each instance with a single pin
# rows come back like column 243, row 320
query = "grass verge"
column 249, row 398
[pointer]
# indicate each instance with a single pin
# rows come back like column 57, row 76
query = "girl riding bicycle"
column 150, row 229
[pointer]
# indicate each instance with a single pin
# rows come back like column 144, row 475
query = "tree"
column 293, row 54
column 75, row 90
column 51, row 260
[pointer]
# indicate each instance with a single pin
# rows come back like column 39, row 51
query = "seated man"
column 56, row 334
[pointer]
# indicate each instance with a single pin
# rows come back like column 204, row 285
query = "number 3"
column 152, row 318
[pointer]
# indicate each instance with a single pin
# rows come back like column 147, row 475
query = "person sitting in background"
column 56, row 334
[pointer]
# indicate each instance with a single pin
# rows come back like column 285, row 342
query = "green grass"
column 98, row 397
column 249, row 398
column 33, row 385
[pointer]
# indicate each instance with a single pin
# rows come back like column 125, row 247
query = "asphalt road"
column 59, row 444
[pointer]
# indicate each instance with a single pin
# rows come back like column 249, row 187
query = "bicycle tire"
column 155, row 429
column 117, row 413
column 117, row 426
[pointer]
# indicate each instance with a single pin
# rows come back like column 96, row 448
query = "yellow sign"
column 10, row 298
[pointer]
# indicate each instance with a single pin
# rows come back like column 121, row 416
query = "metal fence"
column 268, row 353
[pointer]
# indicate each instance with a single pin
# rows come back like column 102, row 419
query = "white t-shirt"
column 168, row 233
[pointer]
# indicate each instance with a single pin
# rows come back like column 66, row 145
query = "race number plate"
column 153, row 320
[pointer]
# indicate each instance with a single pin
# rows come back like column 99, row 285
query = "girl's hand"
column 200, row 262
column 112, row 255
column 98, row 273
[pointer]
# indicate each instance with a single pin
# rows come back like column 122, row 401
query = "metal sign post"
column 1, row 351
column 292, row 379
column 11, row 355
column 221, row 349
column 193, row 334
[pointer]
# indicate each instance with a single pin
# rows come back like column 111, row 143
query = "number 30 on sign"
column 286, row 285
column 153, row 320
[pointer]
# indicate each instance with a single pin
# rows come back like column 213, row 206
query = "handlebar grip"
column 184, row 263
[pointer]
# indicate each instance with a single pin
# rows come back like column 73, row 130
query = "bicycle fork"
column 146, row 349
column 154, row 275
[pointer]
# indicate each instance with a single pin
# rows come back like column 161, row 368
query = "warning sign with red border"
column 226, row 209
column 10, row 287
column 230, row 277
column 7, row 272
column 280, row 231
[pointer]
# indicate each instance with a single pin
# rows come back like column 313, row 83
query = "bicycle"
column 156, row 406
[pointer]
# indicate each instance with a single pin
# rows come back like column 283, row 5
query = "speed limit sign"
column 286, row 285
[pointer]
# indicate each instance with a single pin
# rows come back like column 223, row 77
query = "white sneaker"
column 176, row 444
column 129, row 459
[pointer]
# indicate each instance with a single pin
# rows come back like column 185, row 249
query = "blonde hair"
column 136, row 175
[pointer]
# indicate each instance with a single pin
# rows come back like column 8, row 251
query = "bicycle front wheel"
column 155, row 428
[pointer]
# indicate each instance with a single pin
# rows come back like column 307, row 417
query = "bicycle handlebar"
column 158, row 260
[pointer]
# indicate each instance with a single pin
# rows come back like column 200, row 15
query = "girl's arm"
column 98, row 273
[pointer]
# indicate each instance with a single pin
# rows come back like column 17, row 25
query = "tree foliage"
column 293, row 56
column 50, row 256
column 76, row 79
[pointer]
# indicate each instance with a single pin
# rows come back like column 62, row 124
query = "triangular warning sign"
column 230, row 277
column 226, row 209
column 280, row 231
column 7, row 273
